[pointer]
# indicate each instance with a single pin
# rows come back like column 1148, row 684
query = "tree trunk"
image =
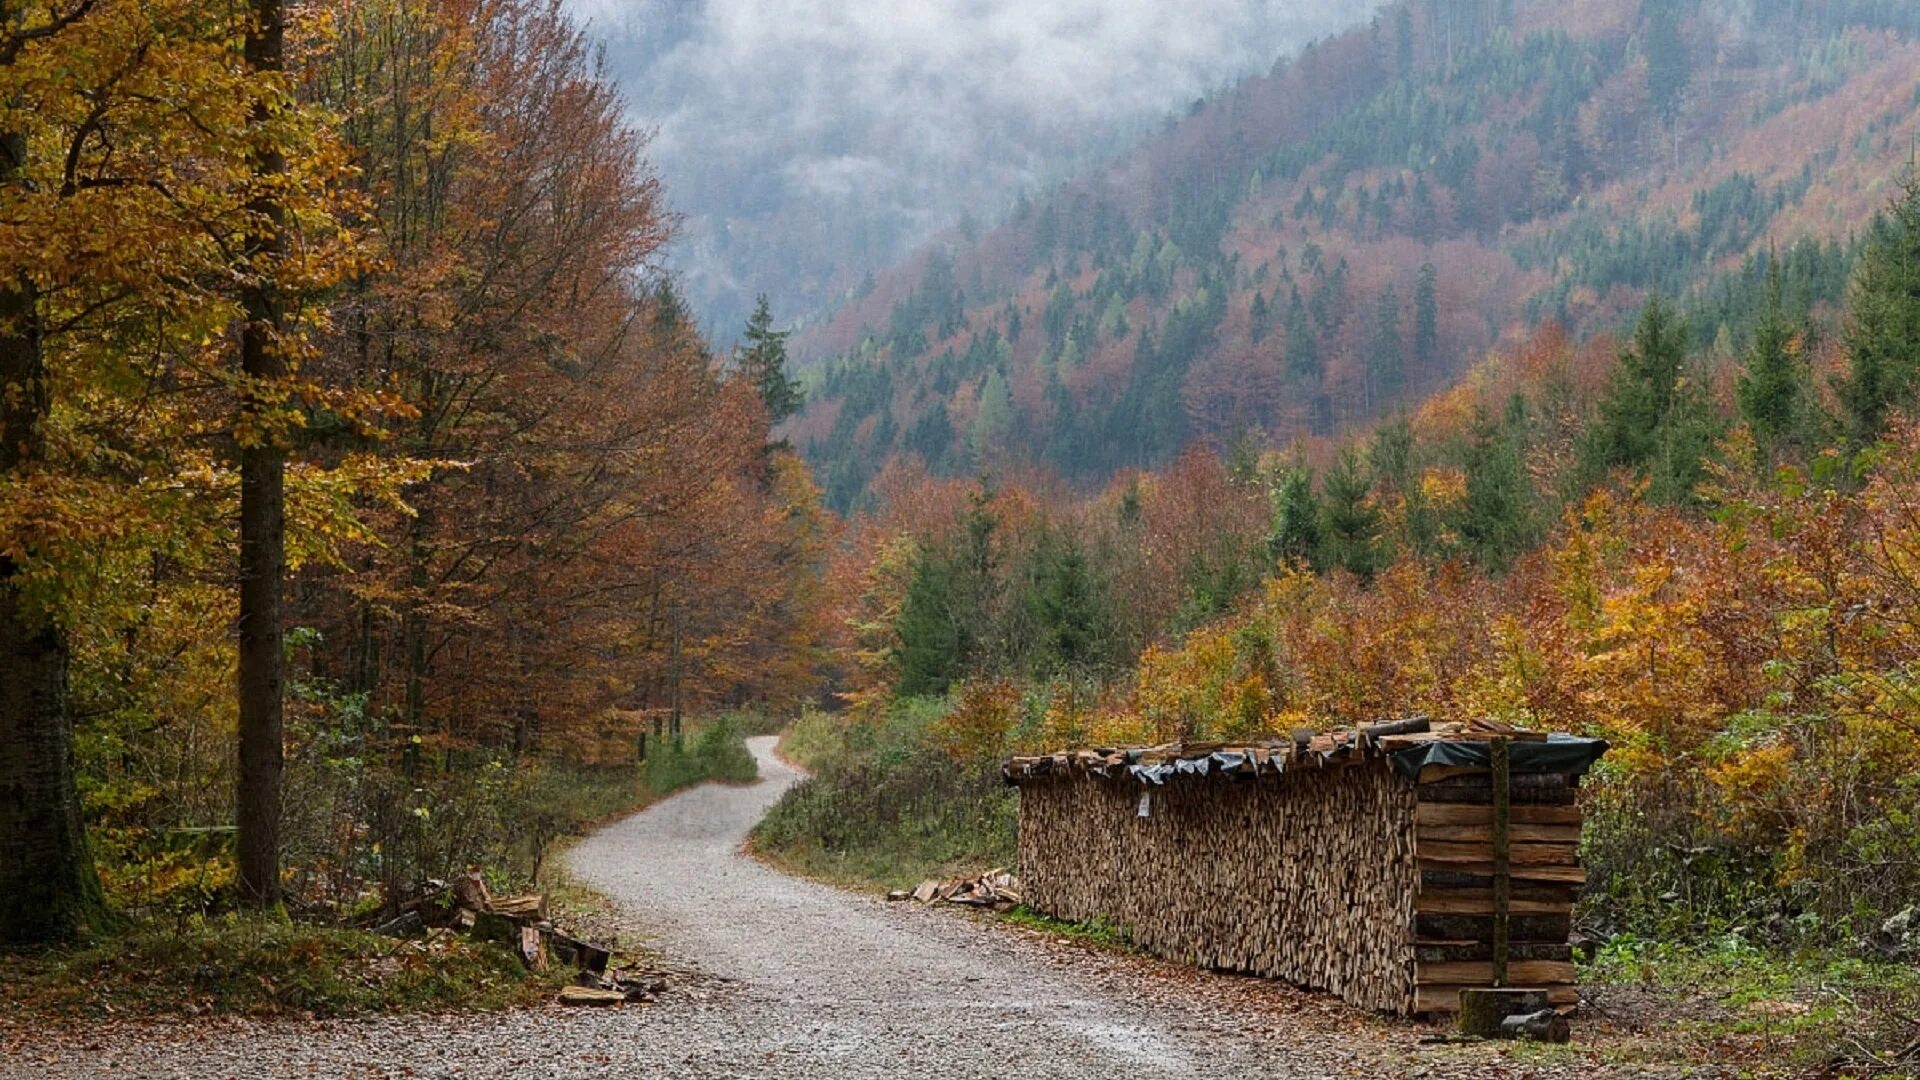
column 263, row 467
column 48, row 888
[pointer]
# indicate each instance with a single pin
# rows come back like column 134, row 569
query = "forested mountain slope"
column 1317, row 246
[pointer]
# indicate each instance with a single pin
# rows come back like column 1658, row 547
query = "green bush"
column 885, row 806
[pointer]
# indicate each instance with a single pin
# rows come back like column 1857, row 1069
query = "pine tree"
column 1261, row 318
column 1386, row 362
column 1303, row 349
column 1883, row 336
column 1497, row 520
column 1669, row 65
column 929, row 652
column 1294, row 537
column 763, row 359
column 1775, row 385
column 1640, row 394
column 1426, row 318
column 1349, row 523
column 1066, row 606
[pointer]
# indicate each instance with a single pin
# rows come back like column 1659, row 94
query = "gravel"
column 798, row 980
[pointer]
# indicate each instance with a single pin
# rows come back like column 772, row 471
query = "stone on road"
column 822, row 983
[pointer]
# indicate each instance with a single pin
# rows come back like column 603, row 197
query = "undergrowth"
column 257, row 966
column 1826, row 1010
column 184, row 951
column 885, row 806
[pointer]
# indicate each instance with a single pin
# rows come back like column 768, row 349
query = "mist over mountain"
column 809, row 142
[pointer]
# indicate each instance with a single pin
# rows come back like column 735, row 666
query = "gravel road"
column 808, row 981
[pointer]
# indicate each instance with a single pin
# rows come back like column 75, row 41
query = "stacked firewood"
column 1315, row 861
column 1455, row 929
column 1309, row 878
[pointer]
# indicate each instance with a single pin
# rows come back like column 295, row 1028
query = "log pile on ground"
column 996, row 889
column 1383, row 864
column 523, row 925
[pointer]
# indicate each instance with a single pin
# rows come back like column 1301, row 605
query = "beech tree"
column 49, row 890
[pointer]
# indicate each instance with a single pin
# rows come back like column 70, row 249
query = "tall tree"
column 1426, row 318
column 1883, row 333
column 49, row 890
column 1774, row 388
column 1387, row 362
column 1294, row 535
column 763, row 360
column 1497, row 519
column 263, row 472
column 1350, row 524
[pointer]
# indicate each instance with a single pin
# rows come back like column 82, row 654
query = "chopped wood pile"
column 994, row 889
column 1393, row 865
column 523, row 925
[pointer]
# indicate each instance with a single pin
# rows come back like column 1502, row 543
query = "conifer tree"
column 1303, row 349
column 1774, row 386
column 1497, row 520
column 1349, row 522
column 763, row 359
column 929, row 651
column 1426, row 318
column 1385, row 363
column 1883, row 335
column 1295, row 534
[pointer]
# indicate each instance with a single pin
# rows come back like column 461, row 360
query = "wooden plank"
column 1483, row 834
column 1554, row 875
column 1446, row 999
column 1475, row 787
column 1482, row 885
column 1553, row 927
column 1518, row 854
column 1458, row 951
column 1481, row 973
column 1434, row 813
column 1480, row 902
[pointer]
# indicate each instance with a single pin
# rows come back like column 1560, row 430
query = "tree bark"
column 49, row 890
column 263, row 466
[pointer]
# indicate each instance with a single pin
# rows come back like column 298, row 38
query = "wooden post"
column 1502, row 879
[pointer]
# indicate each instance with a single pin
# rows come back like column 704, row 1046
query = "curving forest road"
column 819, row 983
column 807, row 981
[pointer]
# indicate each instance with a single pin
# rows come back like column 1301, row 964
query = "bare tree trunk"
column 263, row 468
column 48, row 888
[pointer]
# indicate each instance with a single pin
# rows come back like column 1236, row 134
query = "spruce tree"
column 1350, row 525
column 1426, row 318
column 1774, row 387
column 1497, row 520
column 929, row 650
column 763, row 359
column 1386, row 362
column 1303, row 348
column 1295, row 534
column 1883, row 335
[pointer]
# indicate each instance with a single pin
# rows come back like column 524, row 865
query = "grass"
column 1099, row 933
column 260, row 966
column 885, row 808
column 1729, row 1000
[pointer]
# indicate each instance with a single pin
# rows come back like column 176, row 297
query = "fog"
column 807, row 142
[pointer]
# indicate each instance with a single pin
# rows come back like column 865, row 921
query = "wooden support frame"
column 1502, row 857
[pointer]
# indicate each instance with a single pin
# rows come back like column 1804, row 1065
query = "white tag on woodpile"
column 1146, row 802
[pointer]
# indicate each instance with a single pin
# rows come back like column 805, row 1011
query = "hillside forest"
column 371, row 508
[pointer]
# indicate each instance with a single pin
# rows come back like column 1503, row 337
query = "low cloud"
column 808, row 141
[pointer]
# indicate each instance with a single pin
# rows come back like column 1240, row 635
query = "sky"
column 807, row 142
